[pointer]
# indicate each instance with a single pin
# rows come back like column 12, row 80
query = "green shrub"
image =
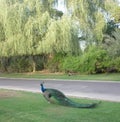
column 71, row 64
column 90, row 62
column 112, row 65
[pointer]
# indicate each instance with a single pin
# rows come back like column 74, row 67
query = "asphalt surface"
column 101, row 90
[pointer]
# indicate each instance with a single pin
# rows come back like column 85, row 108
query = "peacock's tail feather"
column 68, row 102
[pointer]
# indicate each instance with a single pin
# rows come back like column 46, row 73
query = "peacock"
column 54, row 95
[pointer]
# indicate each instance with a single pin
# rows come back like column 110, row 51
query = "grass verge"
column 18, row 106
column 38, row 75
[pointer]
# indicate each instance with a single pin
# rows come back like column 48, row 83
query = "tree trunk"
column 34, row 66
column 33, row 63
column 4, row 63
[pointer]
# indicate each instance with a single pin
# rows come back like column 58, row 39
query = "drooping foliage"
column 62, row 35
column 28, row 29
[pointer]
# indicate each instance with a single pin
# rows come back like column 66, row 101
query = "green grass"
column 106, row 77
column 32, row 107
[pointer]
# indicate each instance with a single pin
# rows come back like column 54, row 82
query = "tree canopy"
column 28, row 29
column 93, row 16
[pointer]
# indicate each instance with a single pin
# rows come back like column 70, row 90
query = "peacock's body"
column 62, row 99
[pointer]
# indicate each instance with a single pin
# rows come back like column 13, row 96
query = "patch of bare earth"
column 45, row 72
column 7, row 94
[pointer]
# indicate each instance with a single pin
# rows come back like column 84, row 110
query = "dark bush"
column 21, row 63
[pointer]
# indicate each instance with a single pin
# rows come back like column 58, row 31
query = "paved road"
column 87, row 89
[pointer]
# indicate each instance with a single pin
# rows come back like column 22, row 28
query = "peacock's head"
column 42, row 83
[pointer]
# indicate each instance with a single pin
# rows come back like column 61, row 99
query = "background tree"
column 112, row 43
column 91, row 16
column 28, row 30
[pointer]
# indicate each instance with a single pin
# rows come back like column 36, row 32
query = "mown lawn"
column 16, row 106
column 39, row 75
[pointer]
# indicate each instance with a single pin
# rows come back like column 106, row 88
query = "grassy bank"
column 39, row 75
column 32, row 107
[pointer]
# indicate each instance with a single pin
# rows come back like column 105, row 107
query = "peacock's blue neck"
column 42, row 88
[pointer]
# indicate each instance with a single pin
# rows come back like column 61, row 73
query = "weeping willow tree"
column 25, row 25
column 28, row 29
column 92, row 16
